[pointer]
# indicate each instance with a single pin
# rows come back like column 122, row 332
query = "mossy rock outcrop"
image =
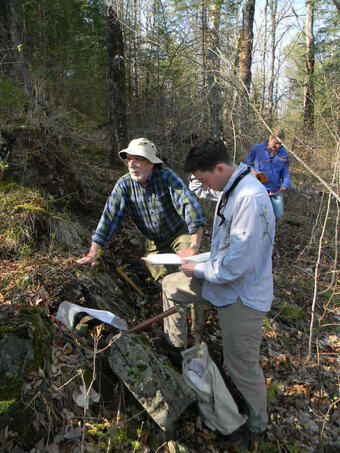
column 29, row 221
column 38, row 158
column 24, row 348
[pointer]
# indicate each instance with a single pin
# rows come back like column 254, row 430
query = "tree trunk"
column 263, row 59
column 115, row 49
column 21, row 67
column 273, row 10
column 310, row 58
column 204, row 88
column 204, row 33
column 135, row 48
column 247, row 42
column 213, row 66
column 246, row 47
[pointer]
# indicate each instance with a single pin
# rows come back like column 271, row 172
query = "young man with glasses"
column 237, row 279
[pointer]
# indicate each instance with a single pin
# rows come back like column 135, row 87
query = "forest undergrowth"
column 303, row 388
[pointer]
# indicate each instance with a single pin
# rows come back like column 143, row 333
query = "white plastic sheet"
column 67, row 311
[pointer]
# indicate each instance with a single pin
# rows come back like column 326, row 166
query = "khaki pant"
column 242, row 335
column 181, row 242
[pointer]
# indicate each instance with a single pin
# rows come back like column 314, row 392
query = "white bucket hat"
column 141, row 147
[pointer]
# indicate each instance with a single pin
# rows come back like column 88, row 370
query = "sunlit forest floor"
column 302, row 391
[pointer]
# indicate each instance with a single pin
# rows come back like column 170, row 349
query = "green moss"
column 41, row 338
column 31, row 329
column 5, row 405
column 20, row 421
column 271, row 392
column 293, row 312
column 293, row 448
column 304, row 284
column 141, row 339
column 142, row 367
column 8, row 186
column 266, row 324
column 133, row 375
column 27, row 216
column 102, row 433
column 293, row 315
column 28, row 207
column 119, row 436
column 136, row 445
column 303, row 291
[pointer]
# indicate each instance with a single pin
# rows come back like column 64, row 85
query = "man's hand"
column 188, row 268
column 88, row 259
column 253, row 171
column 91, row 257
column 283, row 189
column 187, row 252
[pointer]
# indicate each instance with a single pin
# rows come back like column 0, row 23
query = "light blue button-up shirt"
column 240, row 263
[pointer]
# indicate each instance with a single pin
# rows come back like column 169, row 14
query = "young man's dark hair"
column 206, row 155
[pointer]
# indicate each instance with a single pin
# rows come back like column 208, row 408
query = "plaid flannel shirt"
column 159, row 209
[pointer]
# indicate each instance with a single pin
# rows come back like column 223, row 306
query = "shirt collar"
column 240, row 169
column 267, row 149
column 149, row 180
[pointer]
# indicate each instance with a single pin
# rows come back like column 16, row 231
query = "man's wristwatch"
column 194, row 246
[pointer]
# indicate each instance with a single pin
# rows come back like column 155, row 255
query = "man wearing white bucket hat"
column 159, row 203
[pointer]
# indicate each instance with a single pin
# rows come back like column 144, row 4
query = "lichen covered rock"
column 151, row 379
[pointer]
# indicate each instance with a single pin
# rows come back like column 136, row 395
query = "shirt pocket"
column 260, row 164
column 159, row 203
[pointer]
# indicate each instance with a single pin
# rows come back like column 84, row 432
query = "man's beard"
column 136, row 177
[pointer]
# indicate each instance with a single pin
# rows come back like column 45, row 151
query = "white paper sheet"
column 172, row 258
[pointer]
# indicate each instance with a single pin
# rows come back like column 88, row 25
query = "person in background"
column 269, row 162
column 161, row 206
column 237, row 279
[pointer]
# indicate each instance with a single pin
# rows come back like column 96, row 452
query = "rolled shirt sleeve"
column 113, row 212
column 285, row 173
